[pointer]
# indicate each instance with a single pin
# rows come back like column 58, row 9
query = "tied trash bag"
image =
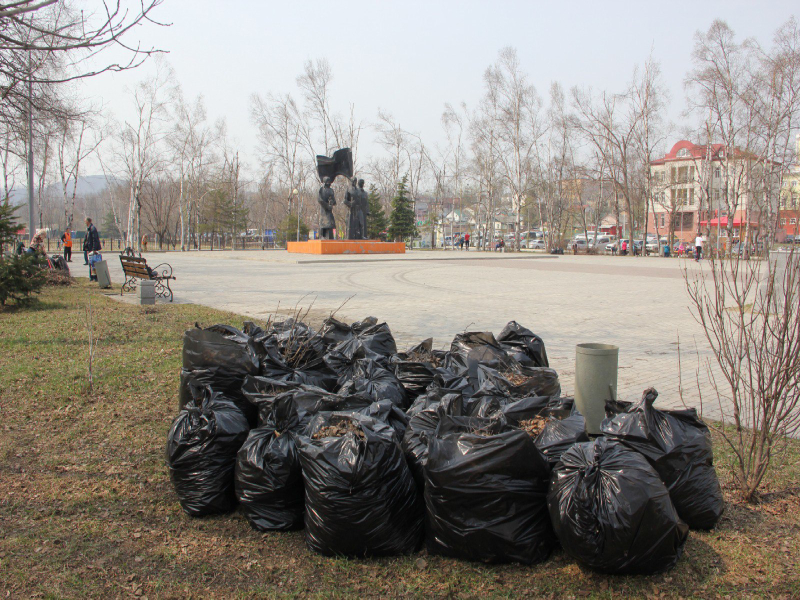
column 678, row 445
column 371, row 380
column 269, row 479
column 201, row 454
column 387, row 412
column 423, row 419
column 363, row 339
column 219, row 356
column 486, row 493
column 518, row 381
column 523, row 345
column 360, row 497
column 611, row 511
column 416, row 367
column 300, row 345
column 262, row 391
column 472, row 349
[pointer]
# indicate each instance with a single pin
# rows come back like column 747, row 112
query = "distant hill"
column 91, row 184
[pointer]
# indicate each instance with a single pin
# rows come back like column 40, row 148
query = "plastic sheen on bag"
column 486, row 493
column 611, row 511
column 201, row 454
column 361, row 499
column 678, row 445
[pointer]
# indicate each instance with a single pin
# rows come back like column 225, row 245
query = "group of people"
column 462, row 242
column 91, row 244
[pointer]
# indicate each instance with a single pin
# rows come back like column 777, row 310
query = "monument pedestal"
column 346, row 247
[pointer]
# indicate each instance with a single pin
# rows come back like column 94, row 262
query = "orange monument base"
column 346, row 247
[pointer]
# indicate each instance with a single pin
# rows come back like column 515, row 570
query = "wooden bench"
column 135, row 268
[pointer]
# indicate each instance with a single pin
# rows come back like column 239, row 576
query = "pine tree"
column 20, row 276
column 401, row 222
column 376, row 221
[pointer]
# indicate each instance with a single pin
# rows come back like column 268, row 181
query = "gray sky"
column 410, row 58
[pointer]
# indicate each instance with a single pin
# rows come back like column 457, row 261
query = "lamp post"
column 297, row 207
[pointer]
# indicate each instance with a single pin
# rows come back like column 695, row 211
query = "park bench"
column 135, row 268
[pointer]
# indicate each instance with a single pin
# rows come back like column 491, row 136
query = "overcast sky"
column 409, row 58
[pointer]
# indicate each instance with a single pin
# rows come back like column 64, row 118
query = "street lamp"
column 297, row 207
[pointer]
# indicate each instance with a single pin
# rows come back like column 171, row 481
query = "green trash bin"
column 595, row 381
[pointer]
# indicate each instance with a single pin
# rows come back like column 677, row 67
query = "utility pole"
column 30, row 149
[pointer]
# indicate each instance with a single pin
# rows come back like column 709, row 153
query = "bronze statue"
column 352, row 200
column 327, row 200
column 364, row 202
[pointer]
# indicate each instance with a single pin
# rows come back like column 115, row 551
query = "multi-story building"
column 697, row 188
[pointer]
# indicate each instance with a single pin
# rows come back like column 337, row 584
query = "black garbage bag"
column 523, row 345
column 361, row 499
column 221, row 357
column 363, row 339
column 518, row 381
column 262, row 391
column 201, row 454
column 416, row 367
column 486, row 493
column 309, row 400
column 269, row 479
column 611, row 511
column 371, row 380
column 513, row 409
column 423, row 419
column 297, row 343
column 276, row 365
column 678, row 445
column 560, row 434
column 472, row 349
column 387, row 412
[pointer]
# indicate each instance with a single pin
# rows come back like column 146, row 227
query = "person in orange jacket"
column 66, row 239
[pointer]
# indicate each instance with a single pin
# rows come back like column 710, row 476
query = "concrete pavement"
column 639, row 304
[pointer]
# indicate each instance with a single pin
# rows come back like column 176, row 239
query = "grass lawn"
column 87, row 509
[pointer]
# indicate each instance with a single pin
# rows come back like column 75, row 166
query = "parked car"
column 536, row 245
column 789, row 239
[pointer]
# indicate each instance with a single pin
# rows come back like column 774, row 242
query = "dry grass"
column 87, row 511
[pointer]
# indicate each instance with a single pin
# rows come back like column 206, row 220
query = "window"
column 673, row 175
column 683, row 174
column 691, row 196
column 716, row 196
column 792, row 221
column 691, row 173
column 716, row 172
column 662, row 219
column 783, row 221
column 682, row 152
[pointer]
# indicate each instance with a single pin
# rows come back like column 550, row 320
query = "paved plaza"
column 639, row 304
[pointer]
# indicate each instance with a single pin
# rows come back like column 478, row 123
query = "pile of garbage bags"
column 471, row 451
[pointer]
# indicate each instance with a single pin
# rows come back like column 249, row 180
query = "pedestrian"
column 466, row 241
column 91, row 244
column 698, row 247
column 144, row 243
column 614, row 249
column 461, row 242
column 624, row 248
column 66, row 239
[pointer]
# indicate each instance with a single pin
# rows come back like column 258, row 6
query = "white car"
column 536, row 245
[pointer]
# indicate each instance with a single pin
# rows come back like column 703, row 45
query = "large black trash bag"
column 387, row 412
column 611, row 511
column 472, row 349
column 201, row 454
column 361, row 499
column 486, row 493
column 277, row 365
column 269, row 479
column 514, row 409
column 523, row 345
column 363, row 339
column 560, row 433
column 372, row 380
column 423, row 419
column 416, row 367
column 262, row 391
column 298, row 344
column 518, row 381
column 678, row 445
column 309, row 400
column 219, row 356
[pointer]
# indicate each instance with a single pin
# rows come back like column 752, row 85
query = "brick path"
column 639, row 304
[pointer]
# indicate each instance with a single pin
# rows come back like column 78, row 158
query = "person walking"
column 698, row 247
column 466, row 241
column 144, row 243
column 624, row 248
column 66, row 239
column 91, row 245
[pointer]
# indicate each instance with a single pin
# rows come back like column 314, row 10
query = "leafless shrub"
column 750, row 314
